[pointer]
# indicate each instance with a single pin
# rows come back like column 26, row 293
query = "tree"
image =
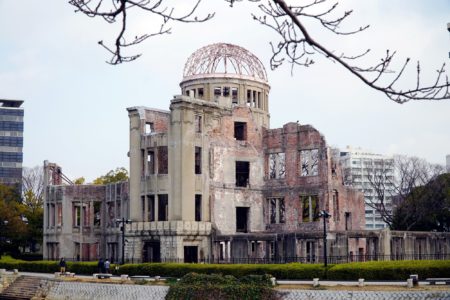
column 32, row 200
column 393, row 181
column 117, row 175
column 426, row 207
column 33, row 179
column 296, row 44
column 79, row 181
column 13, row 227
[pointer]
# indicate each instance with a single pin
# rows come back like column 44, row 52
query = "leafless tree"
column 33, row 185
column 296, row 45
column 392, row 181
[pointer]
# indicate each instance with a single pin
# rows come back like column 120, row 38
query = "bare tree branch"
column 296, row 45
column 392, row 188
column 286, row 21
column 111, row 10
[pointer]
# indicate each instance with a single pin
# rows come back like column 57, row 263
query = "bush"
column 382, row 270
column 215, row 286
column 390, row 270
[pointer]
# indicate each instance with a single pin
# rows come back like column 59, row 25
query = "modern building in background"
column 358, row 165
column 11, row 142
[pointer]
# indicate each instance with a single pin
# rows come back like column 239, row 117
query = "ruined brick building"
column 209, row 180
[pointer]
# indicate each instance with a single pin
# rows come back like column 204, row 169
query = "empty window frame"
column 348, row 220
column 198, row 208
column 76, row 216
column 240, row 131
column 276, row 210
column 242, row 173
column 309, row 162
column 198, row 124
column 149, row 127
column 151, row 208
column 144, row 213
column 242, row 219
column 217, row 91
column 200, row 93
column 226, row 91
column 151, row 161
column 163, row 157
column 234, row 95
column 97, row 214
column 198, row 160
column 249, row 98
column 163, row 207
column 310, row 208
column 277, row 167
column 59, row 220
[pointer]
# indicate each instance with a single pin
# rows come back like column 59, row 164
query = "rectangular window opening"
column 277, row 166
column 163, row 157
column 198, row 160
column 234, row 95
column 309, row 162
column 163, row 207
column 226, row 91
column 151, row 161
column 242, row 219
column 198, row 208
column 200, row 92
column 310, row 208
column 97, row 214
column 242, row 173
column 276, row 210
column 240, row 131
column 149, row 128
column 217, row 91
column 151, row 208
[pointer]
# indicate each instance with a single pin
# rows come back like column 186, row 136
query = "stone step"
column 24, row 287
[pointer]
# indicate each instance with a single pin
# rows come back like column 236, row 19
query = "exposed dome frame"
column 222, row 58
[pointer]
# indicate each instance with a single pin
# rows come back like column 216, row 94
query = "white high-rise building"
column 359, row 169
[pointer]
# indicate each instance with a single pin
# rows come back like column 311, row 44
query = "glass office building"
column 11, row 142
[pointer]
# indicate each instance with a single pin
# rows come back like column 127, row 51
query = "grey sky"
column 75, row 103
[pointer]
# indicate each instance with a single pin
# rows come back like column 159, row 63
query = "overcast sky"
column 75, row 103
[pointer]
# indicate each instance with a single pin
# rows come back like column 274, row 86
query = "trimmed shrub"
column 382, row 270
column 390, row 270
column 202, row 286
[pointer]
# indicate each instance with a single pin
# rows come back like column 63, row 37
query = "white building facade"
column 360, row 167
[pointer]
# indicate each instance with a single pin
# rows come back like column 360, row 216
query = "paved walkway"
column 103, row 291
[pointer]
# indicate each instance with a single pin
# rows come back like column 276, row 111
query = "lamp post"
column 325, row 215
column 123, row 221
column 3, row 224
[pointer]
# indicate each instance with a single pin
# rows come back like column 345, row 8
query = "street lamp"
column 4, row 223
column 123, row 221
column 325, row 215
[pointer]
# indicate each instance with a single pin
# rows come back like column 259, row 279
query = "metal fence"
column 308, row 260
column 299, row 259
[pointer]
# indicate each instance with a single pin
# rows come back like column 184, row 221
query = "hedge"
column 390, row 270
column 381, row 270
column 202, row 286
